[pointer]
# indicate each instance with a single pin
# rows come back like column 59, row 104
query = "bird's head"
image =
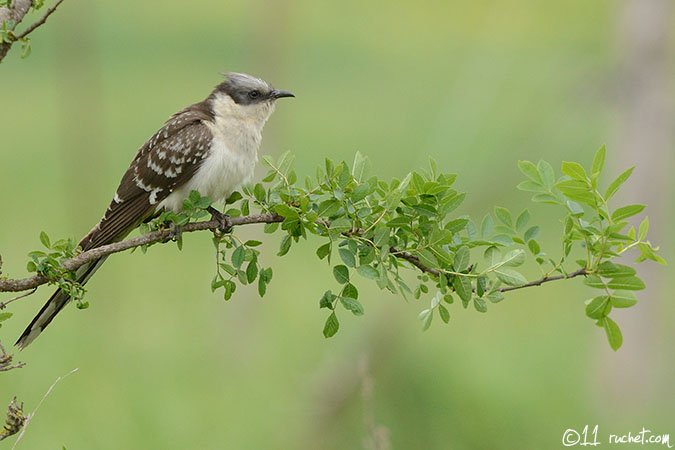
column 246, row 97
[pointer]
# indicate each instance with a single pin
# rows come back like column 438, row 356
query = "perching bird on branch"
column 210, row 147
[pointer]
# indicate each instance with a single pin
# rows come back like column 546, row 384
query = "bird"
column 210, row 147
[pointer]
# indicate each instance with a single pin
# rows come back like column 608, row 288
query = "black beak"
column 278, row 93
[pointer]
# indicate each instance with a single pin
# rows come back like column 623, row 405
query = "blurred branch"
column 23, row 284
column 15, row 419
column 6, row 363
column 11, row 16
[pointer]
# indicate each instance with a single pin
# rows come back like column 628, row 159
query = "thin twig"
column 414, row 260
column 6, row 363
column 40, row 22
column 4, row 304
column 546, row 279
column 30, row 416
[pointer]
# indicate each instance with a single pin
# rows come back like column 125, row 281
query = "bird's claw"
column 175, row 232
column 224, row 225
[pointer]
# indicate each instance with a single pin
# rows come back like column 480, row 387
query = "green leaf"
column 613, row 333
column 353, row 305
column 626, row 284
column 350, row 291
column 547, row 173
column 259, row 192
column 616, row 184
column 649, row 252
column 323, row 251
column 530, row 170
column 444, row 313
column 595, row 282
column 510, row 276
column 381, row 236
column 487, row 227
column 612, row 270
column 495, row 296
column 504, row 216
column 462, row 286
column 263, row 280
column 578, row 191
column 457, row 225
column 514, row 258
column 360, row 167
column 332, row 326
column 462, row 259
column 626, row 211
column 621, row 299
column 598, row 161
column 574, row 170
column 347, row 257
column 531, row 233
column 426, row 317
column 285, row 245
column 493, row 256
column 327, row 299
column 341, row 225
column 522, row 220
column 598, row 307
column 4, row 316
column 285, row 211
column 644, row 229
column 45, row 239
column 530, row 186
column 534, row 246
column 328, row 208
column 368, row 272
column 251, row 271
column 479, row 304
column 341, row 274
column 238, row 256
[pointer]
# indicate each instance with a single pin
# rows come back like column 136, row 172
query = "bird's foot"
column 224, row 225
column 175, row 232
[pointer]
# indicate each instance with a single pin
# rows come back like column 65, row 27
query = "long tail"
column 54, row 305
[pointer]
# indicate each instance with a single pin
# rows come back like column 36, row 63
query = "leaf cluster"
column 602, row 231
column 370, row 229
column 49, row 265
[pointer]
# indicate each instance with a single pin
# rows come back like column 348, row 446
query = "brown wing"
column 164, row 163
column 169, row 159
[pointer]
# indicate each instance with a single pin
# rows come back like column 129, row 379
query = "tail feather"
column 54, row 305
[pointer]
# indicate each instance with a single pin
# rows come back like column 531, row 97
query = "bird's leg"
column 175, row 232
column 224, row 225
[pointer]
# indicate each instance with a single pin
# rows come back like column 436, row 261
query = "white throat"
column 233, row 154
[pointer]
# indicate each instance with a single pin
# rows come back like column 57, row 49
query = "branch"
column 72, row 264
column 15, row 14
column 415, row 261
column 6, row 363
column 546, row 279
column 23, row 284
column 40, row 22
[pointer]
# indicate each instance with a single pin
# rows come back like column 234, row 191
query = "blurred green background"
column 478, row 85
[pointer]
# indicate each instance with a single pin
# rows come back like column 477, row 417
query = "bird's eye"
column 253, row 95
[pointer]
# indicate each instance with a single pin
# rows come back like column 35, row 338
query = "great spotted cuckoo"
column 210, row 147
